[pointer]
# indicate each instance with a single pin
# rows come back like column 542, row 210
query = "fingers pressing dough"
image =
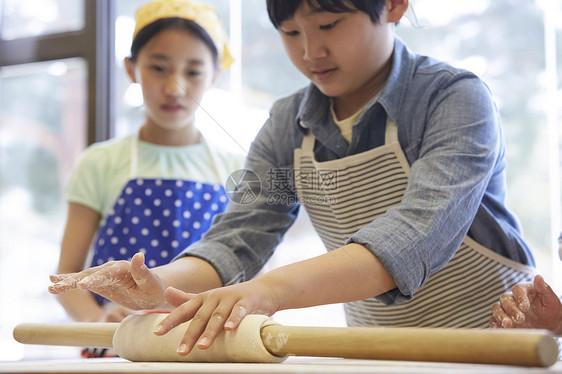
column 135, row 341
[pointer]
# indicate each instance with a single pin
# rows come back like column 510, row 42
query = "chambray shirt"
column 449, row 130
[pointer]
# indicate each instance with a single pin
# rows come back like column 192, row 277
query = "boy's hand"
column 530, row 305
column 212, row 311
column 130, row 284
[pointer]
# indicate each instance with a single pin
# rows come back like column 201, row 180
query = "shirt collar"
column 397, row 85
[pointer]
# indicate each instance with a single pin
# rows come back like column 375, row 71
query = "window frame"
column 95, row 44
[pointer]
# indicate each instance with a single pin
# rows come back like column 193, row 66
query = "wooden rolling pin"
column 133, row 339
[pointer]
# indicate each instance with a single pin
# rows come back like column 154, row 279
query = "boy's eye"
column 329, row 26
column 193, row 73
column 290, row 33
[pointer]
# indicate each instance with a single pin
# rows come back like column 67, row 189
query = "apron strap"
column 308, row 142
column 134, row 156
column 391, row 132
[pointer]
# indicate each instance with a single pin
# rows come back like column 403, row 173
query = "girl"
column 154, row 192
column 399, row 161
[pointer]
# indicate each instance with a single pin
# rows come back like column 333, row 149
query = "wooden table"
column 292, row 365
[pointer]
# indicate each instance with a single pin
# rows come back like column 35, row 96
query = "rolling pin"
column 259, row 339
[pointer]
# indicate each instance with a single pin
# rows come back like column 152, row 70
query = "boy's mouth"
column 323, row 74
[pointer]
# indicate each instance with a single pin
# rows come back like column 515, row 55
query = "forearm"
column 346, row 274
column 189, row 274
column 81, row 306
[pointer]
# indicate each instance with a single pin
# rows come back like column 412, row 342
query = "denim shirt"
column 449, row 130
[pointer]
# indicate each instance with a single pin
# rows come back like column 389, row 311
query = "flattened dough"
column 135, row 341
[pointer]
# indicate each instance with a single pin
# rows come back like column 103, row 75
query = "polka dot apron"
column 158, row 217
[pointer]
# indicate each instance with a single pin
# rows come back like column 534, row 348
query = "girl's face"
column 174, row 69
column 341, row 53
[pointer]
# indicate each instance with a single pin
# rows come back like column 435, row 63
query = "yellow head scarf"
column 202, row 14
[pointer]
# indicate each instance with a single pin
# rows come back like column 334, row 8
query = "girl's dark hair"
column 152, row 29
column 281, row 10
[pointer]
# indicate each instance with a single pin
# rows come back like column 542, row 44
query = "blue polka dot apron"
column 158, row 217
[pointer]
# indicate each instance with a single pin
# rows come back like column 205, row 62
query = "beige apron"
column 368, row 184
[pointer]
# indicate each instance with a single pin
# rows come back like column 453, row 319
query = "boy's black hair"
column 281, row 10
column 150, row 30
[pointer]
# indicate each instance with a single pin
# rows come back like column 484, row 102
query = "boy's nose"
column 314, row 49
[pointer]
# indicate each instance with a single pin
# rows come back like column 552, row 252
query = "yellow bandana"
column 202, row 14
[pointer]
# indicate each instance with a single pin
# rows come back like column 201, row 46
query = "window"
column 42, row 131
column 51, row 107
column 30, row 18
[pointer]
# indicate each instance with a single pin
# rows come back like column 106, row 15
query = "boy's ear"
column 396, row 9
column 130, row 68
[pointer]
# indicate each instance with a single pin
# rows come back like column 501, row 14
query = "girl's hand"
column 130, row 284
column 530, row 305
column 212, row 311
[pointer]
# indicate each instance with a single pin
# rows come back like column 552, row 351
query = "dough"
column 135, row 341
